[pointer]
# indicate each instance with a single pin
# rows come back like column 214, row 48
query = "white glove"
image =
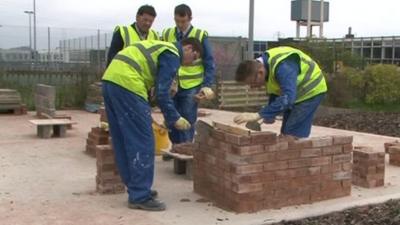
column 207, row 92
column 104, row 126
column 182, row 124
column 246, row 117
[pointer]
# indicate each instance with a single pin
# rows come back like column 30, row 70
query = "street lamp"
column 30, row 28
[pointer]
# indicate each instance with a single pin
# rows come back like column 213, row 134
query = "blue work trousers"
column 129, row 118
column 187, row 106
column 298, row 121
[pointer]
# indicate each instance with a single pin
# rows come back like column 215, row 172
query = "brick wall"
column 247, row 173
column 96, row 136
column 368, row 167
column 394, row 155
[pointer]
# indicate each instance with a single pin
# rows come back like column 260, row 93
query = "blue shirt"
column 208, row 58
column 286, row 75
column 168, row 65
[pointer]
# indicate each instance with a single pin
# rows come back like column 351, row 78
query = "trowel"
column 254, row 125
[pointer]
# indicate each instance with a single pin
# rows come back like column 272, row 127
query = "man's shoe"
column 149, row 205
column 153, row 193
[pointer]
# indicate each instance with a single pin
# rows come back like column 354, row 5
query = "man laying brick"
column 295, row 84
column 126, row 82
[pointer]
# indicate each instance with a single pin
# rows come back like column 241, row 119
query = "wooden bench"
column 47, row 127
column 183, row 164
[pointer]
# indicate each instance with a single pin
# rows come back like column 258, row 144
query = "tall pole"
column 30, row 28
column 251, row 31
column 34, row 27
column 309, row 32
column 321, row 25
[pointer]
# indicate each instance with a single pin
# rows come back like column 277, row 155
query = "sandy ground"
column 52, row 181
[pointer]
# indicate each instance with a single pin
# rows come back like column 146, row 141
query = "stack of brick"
column 108, row 180
column 98, row 135
column 387, row 145
column 368, row 167
column 247, row 173
column 394, row 155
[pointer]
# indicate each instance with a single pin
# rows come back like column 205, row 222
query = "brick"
column 321, row 161
column 298, row 163
column 279, row 165
column 394, row 149
column 332, row 150
column 343, row 158
column 266, row 137
column 290, row 154
column 279, row 146
column 237, row 139
column 261, row 158
column 247, row 169
column 331, row 168
column 248, row 178
column 347, row 166
column 225, row 147
column 390, row 144
column 246, row 188
column 348, row 148
column 341, row 139
column 321, row 142
column 342, row 175
column 218, row 135
column 310, row 152
column 300, row 144
column 248, row 150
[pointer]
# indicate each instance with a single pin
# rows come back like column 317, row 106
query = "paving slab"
column 52, row 181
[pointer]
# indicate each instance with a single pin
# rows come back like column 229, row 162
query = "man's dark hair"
column 195, row 43
column 183, row 10
column 146, row 9
column 246, row 69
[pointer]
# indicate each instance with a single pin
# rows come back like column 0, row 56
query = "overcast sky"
column 220, row 18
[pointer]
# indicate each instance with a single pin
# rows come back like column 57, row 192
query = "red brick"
column 347, row 166
column 321, row 142
column 218, row 135
column 298, row 163
column 348, row 148
column 341, row 139
column 343, row 158
column 279, row 165
column 248, row 150
column 332, row 150
column 321, row 161
column 300, row 144
column 290, row 154
column 310, row 152
column 247, row 169
column 246, row 188
column 390, row 144
column 331, row 168
column 342, row 175
column 237, row 139
column 265, row 137
column 225, row 147
column 248, row 178
column 261, row 158
column 279, row 146
column 394, row 149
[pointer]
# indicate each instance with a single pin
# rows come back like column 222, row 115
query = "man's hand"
column 182, row 124
column 246, row 117
column 207, row 92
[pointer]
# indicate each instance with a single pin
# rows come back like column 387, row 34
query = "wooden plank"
column 230, row 129
column 177, row 155
column 52, row 122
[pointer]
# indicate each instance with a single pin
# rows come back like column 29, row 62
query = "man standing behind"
column 126, row 82
column 194, row 79
column 140, row 30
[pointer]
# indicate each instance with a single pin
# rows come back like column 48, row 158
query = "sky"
column 219, row 18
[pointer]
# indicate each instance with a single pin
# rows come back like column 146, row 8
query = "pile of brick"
column 247, row 173
column 368, row 167
column 97, row 136
column 394, row 155
column 108, row 180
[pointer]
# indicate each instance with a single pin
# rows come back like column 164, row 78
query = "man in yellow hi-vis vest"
column 124, row 36
column 126, row 82
column 295, row 84
column 193, row 80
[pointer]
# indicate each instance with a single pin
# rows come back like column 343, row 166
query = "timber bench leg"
column 179, row 166
column 44, row 131
column 189, row 170
column 59, row 130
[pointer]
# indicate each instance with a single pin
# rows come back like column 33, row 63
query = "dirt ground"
column 52, row 181
column 381, row 214
column 371, row 122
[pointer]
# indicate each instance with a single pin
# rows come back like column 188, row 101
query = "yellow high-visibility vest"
column 188, row 76
column 135, row 67
column 310, row 81
column 130, row 35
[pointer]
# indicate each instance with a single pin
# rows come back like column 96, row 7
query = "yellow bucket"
column 161, row 138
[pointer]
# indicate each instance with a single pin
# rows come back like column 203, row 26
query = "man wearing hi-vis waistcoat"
column 192, row 80
column 295, row 84
column 126, row 83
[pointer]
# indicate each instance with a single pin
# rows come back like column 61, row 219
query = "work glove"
column 182, row 124
column 104, row 126
column 207, row 92
column 246, row 117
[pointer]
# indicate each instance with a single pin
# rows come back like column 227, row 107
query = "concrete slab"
column 52, row 181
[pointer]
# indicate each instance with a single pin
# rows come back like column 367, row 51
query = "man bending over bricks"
column 126, row 82
column 295, row 84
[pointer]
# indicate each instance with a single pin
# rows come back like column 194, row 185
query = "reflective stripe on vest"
column 312, row 81
column 130, row 36
column 193, row 75
column 135, row 67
